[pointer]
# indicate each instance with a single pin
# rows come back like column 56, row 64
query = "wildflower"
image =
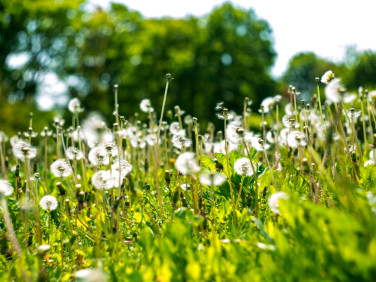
column 30, row 133
column 296, row 139
column 185, row 187
column 45, row 132
column 111, row 149
column 188, row 119
column 23, row 150
column 349, row 98
column 6, row 188
column 180, row 141
column 233, row 132
column 124, row 168
column 3, row 137
column 259, row 144
column 186, row 164
column 175, row 128
column 48, row 203
column 74, row 106
column 42, row 249
column 274, row 201
column 288, row 121
column 289, row 109
column 212, row 179
column 369, row 163
column 145, row 106
column 138, row 142
column 151, row 139
column 98, row 156
column 60, row 168
column 327, row 77
column 352, row 114
column 333, row 91
column 102, row 180
column 265, row 246
column 74, row 153
column 372, row 96
column 90, row 275
column 244, row 167
column 267, row 104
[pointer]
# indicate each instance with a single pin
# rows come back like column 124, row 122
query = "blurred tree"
column 33, row 43
column 304, row 68
column 361, row 70
column 225, row 55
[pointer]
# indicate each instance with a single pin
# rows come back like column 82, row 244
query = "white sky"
column 325, row 27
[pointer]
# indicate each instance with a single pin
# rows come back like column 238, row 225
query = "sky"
column 325, row 27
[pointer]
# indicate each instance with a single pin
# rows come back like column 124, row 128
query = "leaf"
column 208, row 163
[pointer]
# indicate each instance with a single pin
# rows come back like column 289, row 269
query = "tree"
column 304, row 68
column 224, row 56
column 361, row 70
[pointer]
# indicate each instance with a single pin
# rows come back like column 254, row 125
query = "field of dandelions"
column 293, row 199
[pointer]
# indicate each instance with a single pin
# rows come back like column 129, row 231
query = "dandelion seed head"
column 124, row 167
column 274, row 201
column 3, row 137
column 98, row 156
column 48, row 203
column 74, row 106
column 23, row 150
column 6, row 188
column 333, row 91
column 60, row 168
column 90, row 275
column 296, row 139
column 74, row 153
column 174, row 128
column 145, row 106
column 267, row 104
column 212, row 179
column 186, row 164
column 179, row 141
column 327, row 77
column 102, row 180
column 244, row 167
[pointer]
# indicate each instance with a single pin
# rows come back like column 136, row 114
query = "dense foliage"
column 225, row 55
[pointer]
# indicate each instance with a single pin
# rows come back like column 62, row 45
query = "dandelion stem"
column 319, row 98
column 156, row 159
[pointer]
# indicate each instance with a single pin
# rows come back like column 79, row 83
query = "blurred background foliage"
column 52, row 51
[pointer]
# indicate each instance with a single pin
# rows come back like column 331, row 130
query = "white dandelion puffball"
column 267, row 103
column 103, row 180
column 74, row 154
column 145, row 106
column 48, row 203
column 123, row 168
column 327, row 77
column 23, row 150
column 6, row 188
column 186, row 164
column 179, row 141
column 332, row 91
column 212, row 179
column 91, row 275
column 175, row 128
column 296, row 139
column 273, row 201
column 74, row 106
column 185, row 187
column 244, row 167
column 60, row 168
column 98, row 156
